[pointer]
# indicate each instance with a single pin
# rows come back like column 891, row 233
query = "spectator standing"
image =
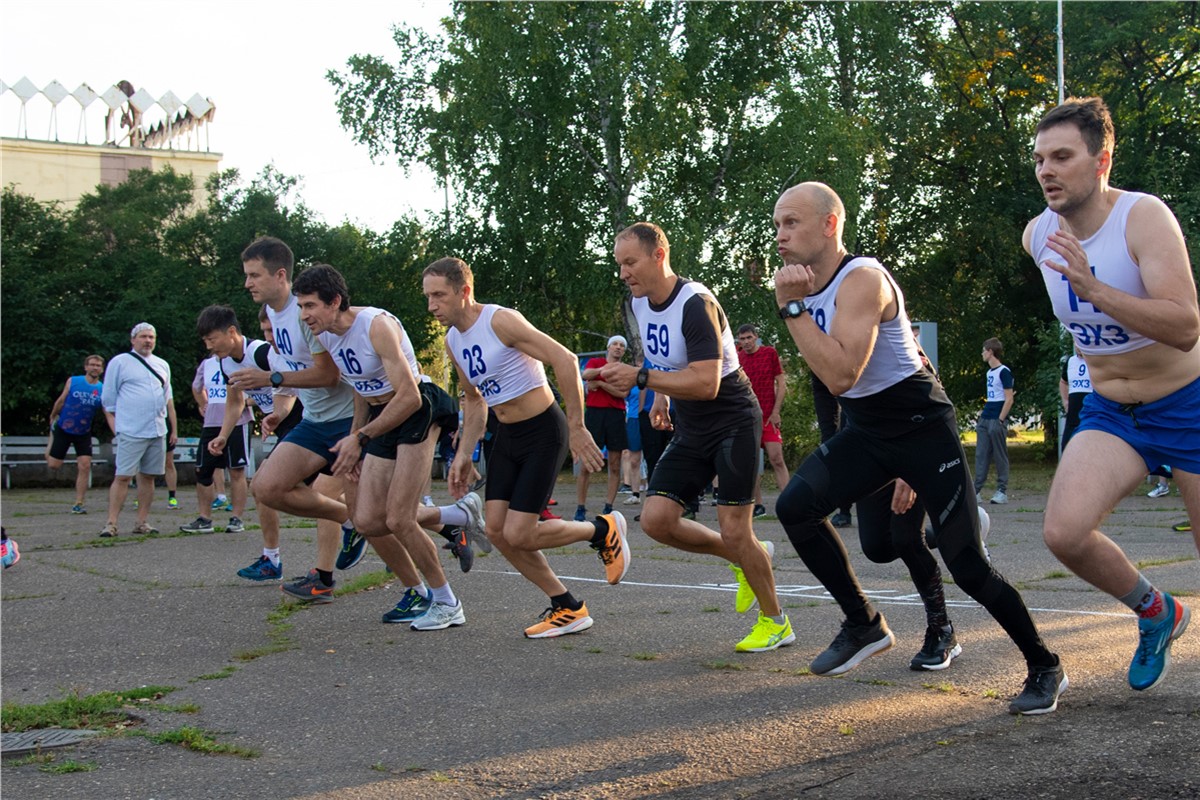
column 991, row 431
column 71, row 425
column 761, row 364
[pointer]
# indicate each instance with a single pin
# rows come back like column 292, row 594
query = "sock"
column 272, row 555
column 325, row 576
column 421, row 590
column 1146, row 601
column 444, row 595
column 601, row 532
column 221, row 498
column 348, row 526
column 427, row 500
column 778, row 620
column 454, row 515
column 565, row 600
column 447, row 533
column 170, row 495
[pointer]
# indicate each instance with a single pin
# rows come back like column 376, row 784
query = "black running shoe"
column 1041, row 691
column 855, row 644
column 461, row 549
column 354, row 547
column 941, row 647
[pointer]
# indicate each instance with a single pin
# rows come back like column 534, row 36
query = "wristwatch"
column 277, row 379
column 792, row 309
column 643, row 376
column 363, row 438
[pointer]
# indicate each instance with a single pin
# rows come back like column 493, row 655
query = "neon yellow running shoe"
column 766, row 635
column 745, row 595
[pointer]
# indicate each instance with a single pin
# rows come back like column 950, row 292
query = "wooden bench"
column 19, row 451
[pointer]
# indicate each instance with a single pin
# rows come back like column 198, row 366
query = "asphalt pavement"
column 651, row 702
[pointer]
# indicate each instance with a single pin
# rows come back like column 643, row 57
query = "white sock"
column 348, row 525
column 421, row 590
column 454, row 515
column 444, row 595
column 272, row 553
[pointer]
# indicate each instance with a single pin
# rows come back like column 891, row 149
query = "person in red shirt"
column 761, row 364
column 604, row 416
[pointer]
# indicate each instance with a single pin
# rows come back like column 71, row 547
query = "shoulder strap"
column 153, row 371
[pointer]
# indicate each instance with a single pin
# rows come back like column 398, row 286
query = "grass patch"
column 70, row 765
column 711, row 609
column 1160, row 562
column 991, row 694
column 944, row 686
column 644, row 656
column 595, row 650
column 845, row 729
column 266, row 650
column 1056, row 573
column 101, row 710
column 729, row 666
column 363, row 582
column 216, row 676
column 874, row 682
column 200, row 741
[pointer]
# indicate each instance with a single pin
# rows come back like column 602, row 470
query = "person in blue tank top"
column 1117, row 273
column 71, row 425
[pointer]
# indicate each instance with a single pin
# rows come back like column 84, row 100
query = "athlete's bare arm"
column 462, row 471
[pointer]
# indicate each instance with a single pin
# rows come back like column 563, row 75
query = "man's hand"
column 269, row 423
column 461, row 476
column 217, row 445
column 903, row 498
column 621, row 377
column 1077, row 269
column 348, row 453
column 250, row 378
column 793, row 282
column 584, row 450
column 660, row 413
column 775, row 419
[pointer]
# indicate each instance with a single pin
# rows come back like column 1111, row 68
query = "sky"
column 262, row 63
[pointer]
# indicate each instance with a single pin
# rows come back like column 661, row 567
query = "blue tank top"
column 81, row 405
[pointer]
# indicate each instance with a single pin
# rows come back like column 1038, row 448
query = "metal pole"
column 1061, row 91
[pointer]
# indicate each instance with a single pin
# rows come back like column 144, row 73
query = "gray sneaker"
column 199, row 525
column 235, row 525
column 1041, row 691
column 473, row 506
column 440, row 616
column 999, row 498
column 855, row 644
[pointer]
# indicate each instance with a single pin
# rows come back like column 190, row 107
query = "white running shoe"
column 1159, row 491
column 473, row 507
column 440, row 616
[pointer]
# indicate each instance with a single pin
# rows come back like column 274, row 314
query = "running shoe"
column 460, row 548
column 235, row 525
column 550, row 502
column 439, row 617
column 766, row 635
column 581, row 513
column 310, row 589
column 607, row 509
column 199, row 525
column 144, row 529
column 1159, row 491
column 840, row 520
column 218, row 503
column 853, row 645
column 476, row 530
column 354, row 547
column 941, row 647
column 633, row 500
column 614, row 552
column 78, row 509
column 547, row 514
column 559, row 622
column 109, row 532
column 1153, row 656
column 262, row 570
column 173, row 503
column 760, row 510
column 624, row 488
column 11, row 554
column 1182, row 527
column 1041, row 691
column 410, row 606
column 745, row 599
column 1000, row 498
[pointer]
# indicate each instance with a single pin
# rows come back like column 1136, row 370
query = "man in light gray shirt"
column 140, row 410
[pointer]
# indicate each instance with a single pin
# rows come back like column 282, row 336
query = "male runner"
column 718, row 424
column 846, row 315
column 210, row 386
column 397, row 418
column 500, row 360
column 289, row 481
column 71, row 425
column 1118, row 276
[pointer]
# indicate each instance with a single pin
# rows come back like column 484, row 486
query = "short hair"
column 216, row 318
column 749, row 327
column 142, row 326
column 454, row 270
column 325, row 282
column 262, row 315
column 1090, row 115
column 650, row 235
column 94, row 356
column 273, row 253
column 995, row 346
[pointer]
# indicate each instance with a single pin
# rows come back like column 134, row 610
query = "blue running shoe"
column 1153, row 655
column 262, row 570
column 354, row 547
column 581, row 513
column 411, row 606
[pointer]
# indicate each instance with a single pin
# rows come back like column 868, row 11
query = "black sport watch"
column 363, row 438
column 277, row 379
column 792, row 309
column 643, row 376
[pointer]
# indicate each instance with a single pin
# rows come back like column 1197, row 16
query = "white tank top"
column 289, row 337
column 263, row 398
column 895, row 356
column 1095, row 332
column 355, row 356
column 662, row 331
column 500, row 373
